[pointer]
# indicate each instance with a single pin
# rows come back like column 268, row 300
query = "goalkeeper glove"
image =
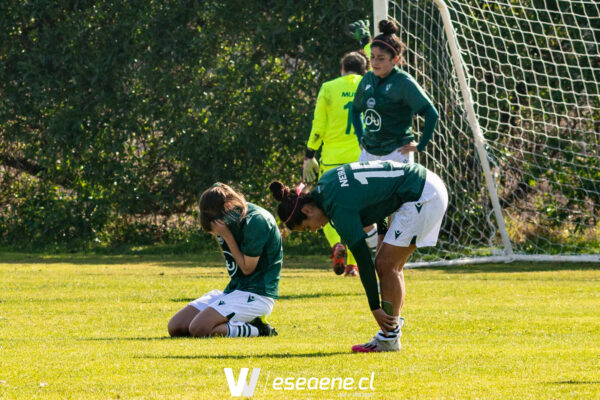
column 310, row 170
column 359, row 31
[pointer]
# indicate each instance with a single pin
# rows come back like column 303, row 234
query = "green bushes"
column 42, row 216
column 115, row 115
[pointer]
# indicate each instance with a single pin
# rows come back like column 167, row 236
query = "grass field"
column 79, row 326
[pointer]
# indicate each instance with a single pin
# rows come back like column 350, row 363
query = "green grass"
column 83, row 326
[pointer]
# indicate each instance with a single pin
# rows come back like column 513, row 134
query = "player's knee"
column 175, row 329
column 384, row 266
column 200, row 330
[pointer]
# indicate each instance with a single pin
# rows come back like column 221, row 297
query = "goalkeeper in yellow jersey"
column 332, row 131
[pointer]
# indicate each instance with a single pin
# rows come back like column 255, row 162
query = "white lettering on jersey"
column 342, row 177
column 367, row 165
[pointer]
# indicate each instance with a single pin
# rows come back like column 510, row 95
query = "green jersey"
column 258, row 236
column 359, row 194
column 389, row 105
column 332, row 123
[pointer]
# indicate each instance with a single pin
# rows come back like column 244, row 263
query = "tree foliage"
column 116, row 109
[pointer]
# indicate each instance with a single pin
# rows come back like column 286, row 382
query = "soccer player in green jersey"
column 251, row 243
column 355, row 195
column 388, row 99
column 333, row 133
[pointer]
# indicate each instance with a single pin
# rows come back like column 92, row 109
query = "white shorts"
column 242, row 306
column 420, row 219
column 393, row 156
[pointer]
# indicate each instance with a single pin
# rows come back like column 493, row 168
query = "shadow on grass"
column 125, row 339
column 246, row 356
column 208, row 357
column 316, row 295
column 285, row 297
column 574, row 383
column 183, row 299
column 167, row 260
column 209, row 259
column 213, row 259
column 513, row 267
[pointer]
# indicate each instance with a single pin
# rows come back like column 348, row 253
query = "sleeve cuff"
column 310, row 153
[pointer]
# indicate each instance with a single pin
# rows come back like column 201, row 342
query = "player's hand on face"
column 412, row 146
column 386, row 322
column 219, row 228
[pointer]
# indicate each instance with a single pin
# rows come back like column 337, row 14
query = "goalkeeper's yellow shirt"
column 332, row 124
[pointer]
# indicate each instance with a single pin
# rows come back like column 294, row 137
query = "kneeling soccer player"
column 251, row 243
column 356, row 195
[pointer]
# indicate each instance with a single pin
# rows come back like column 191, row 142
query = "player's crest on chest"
column 230, row 263
column 372, row 120
column 371, row 102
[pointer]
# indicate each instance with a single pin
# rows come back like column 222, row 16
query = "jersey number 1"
column 348, row 107
column 358, row 169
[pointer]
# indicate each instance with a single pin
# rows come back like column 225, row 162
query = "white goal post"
column 517, row 86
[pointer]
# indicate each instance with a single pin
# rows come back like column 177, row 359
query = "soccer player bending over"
column 251, row 243
column 355, row 195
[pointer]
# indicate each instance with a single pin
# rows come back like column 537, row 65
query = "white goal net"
column 531, row 70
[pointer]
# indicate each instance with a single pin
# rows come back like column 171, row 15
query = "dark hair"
column 356, row 62
column 290, row 204
column 221, row 202
column 388, row 40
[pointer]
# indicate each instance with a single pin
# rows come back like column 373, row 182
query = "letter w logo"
column 241, row 387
